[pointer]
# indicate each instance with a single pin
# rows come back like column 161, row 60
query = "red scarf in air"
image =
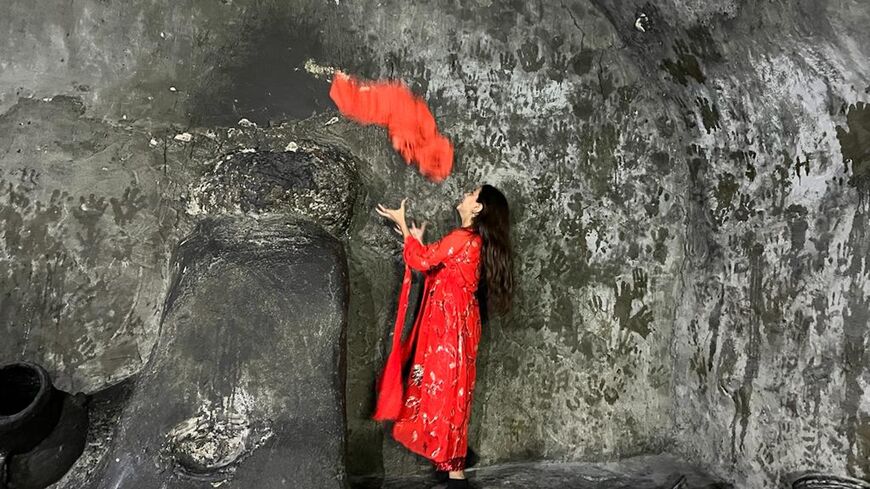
column 411, row 126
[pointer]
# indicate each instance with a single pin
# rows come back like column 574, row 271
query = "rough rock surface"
column 90, row 216
column 307, row 180
column 689, row 181
column 245, row 387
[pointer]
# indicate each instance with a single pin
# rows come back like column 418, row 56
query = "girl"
column 432, row 419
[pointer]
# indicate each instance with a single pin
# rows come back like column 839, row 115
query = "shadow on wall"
column 259, row 75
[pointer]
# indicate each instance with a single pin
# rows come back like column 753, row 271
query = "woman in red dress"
column 436, row 394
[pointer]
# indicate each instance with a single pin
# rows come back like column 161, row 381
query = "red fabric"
column 454, row 464
column 432, row 406
column 411, row 126
column 389, row 400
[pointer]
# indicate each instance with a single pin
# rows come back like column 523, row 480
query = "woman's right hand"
column 417, row 232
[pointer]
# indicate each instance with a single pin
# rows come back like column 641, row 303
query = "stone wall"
column 688, row 182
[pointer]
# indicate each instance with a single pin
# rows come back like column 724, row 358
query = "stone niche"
column 306, row 180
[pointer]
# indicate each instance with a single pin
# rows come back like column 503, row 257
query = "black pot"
column 29, row 407
column 42, row 429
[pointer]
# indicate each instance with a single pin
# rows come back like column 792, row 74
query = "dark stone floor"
column 644, row 472
column 647, row 472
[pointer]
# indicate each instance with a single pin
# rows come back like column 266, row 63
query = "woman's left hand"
column 417, row 232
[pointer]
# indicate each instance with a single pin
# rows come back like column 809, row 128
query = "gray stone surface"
column 646, row 472
column 91, row 211
column 690, row 203
column 104, row 411
column 89, row 216
column 245, row 387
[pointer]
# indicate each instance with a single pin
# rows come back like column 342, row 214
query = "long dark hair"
column 493, row 225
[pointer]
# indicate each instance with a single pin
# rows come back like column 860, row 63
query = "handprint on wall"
column 626, row 293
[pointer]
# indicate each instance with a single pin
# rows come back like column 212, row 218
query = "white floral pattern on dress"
column 416, row 374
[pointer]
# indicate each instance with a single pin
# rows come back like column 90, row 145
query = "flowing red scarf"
column 411, row 126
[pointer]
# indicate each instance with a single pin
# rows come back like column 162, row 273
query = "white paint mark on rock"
column 641, row 22
column 318, row 70
column 220, row 433
column 291, row 146
column 185, row 137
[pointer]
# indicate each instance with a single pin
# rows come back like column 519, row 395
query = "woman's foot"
column 441, row 476
column 457, row 483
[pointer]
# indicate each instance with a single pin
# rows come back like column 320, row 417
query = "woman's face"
column 469, row 206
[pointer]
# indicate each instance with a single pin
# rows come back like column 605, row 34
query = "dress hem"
column 448, row 464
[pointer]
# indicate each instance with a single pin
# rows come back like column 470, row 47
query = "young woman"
column 432, row 419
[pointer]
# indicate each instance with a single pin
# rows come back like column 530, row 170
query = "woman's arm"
column 423, row 258
column 420, row 257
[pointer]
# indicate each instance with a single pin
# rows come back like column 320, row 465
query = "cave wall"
column 769, row 346
column 684, row 205
column 90, row 216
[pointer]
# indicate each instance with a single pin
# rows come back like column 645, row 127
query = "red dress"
column 436, row 403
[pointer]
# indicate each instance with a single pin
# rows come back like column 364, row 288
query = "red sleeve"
column 423, row 258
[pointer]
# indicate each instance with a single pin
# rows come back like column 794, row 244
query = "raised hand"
column 417, row 232
column 395, row 215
